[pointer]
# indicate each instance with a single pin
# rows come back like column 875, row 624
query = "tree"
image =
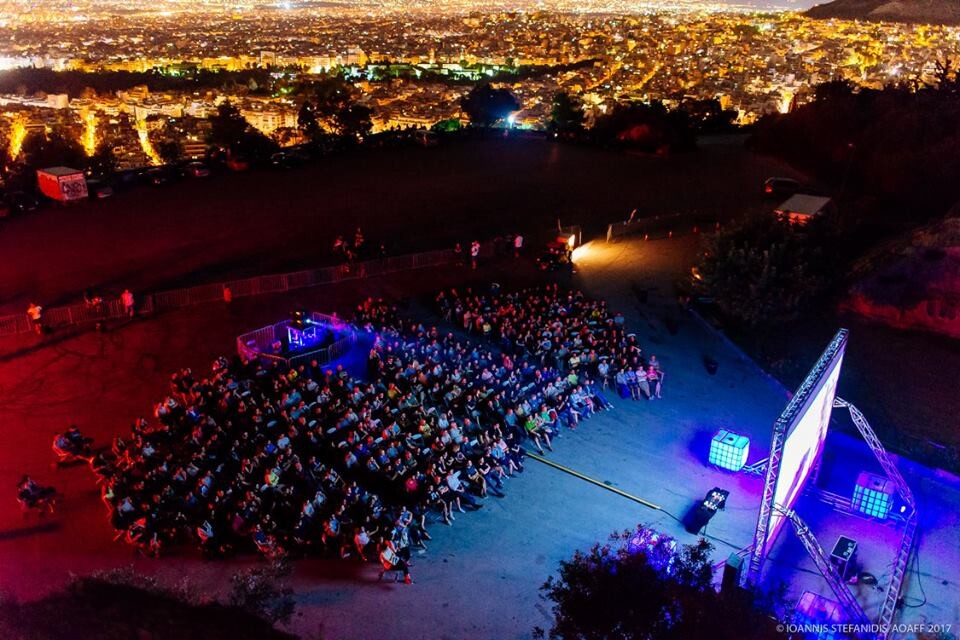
column 353, row 122
column 5, row 158
column 170, row 151
column 286, row 136
column 892, row 155
column 56, row 149
column 123, row 604
column 230, row 130
column 227, row 127
column 486, row 106
column 566, row 116
column 103, row 162
column 708, row 116
column 307, row 122
column 643, row 586
column 332, row 94
column 764, row 270
column 834, row 90
column 645, row 126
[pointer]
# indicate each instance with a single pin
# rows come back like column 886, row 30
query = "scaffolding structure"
column 758, row 468
column 902, row 559
column 852, row 608
column 848, row 601
column 770, row 469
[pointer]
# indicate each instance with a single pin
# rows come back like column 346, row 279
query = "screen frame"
column 830, row 360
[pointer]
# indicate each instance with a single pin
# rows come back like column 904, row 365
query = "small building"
column 62, row 184
column 800, row 208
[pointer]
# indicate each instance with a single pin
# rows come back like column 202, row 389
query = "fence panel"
column 171, row 299
column 271, row 284
column 10, row 325
column 57, row 317
column 301, row 279
column 205, row 293
column 673, row 222
column 277, row 283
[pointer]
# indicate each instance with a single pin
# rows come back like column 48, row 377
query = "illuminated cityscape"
column 412, row 66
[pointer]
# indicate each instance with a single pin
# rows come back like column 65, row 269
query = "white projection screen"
column 807, row 419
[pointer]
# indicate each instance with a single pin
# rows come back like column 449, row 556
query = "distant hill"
column 922, row 11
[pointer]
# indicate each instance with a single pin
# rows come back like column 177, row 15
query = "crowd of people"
column 313, row 460
column 559, row 329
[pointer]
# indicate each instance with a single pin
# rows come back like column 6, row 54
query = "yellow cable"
column 591, row 480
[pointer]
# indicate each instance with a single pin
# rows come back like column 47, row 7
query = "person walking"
column 35, row 314
column 474, row 254
column 517, row 245
column 128, row 303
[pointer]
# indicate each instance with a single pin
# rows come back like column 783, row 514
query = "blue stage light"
column 729, row 450
column 873, row 495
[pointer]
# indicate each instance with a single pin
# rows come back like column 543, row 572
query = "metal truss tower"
column 899, row 570
column 847, row 600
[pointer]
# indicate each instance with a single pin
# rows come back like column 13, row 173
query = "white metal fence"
column 277, row 283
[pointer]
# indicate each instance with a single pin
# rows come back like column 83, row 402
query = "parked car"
column 157, row 176
column 238, row 164
column 197, row 170
column 22, row 202
column 282, row 160
column 299, row 154
column 98, row 189
column 780, row 187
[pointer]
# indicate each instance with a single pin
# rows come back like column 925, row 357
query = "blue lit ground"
column 480, row 577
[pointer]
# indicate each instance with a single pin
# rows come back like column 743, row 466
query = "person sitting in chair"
column 390, row 560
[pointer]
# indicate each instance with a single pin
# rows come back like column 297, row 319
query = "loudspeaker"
column 732, row 571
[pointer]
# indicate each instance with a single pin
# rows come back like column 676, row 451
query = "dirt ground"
column 260, row 222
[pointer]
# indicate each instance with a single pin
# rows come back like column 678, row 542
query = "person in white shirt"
column 474, row 254
column 517, row 245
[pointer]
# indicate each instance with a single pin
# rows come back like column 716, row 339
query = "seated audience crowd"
column 308, row 460
column 559, row 329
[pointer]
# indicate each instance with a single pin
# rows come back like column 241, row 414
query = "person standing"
column 517, row 245
column 358, row 241
column 128, row 302
column 458, row 254
column 35, row 313
column 474, row 254
column 655, row 379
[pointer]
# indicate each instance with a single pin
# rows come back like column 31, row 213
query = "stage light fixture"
column 873, row 495
column 729, row 450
